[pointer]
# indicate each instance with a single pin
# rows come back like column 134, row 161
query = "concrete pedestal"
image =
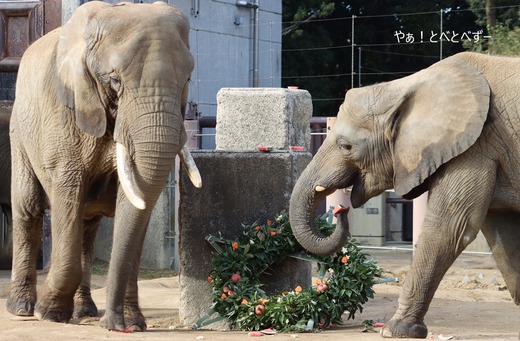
column 238, row 187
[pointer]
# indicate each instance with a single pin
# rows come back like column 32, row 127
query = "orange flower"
column 272, row 232
column 318, row 281
column 223, row 296
column 269, row 222
column 234, row 245
column 210, row 279
column 244, row 302
column 298, row 289
column 263, row 300
column 344, row 259
column 257, row 228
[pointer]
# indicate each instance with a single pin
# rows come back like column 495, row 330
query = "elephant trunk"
column 144, row 172
column 305, row 199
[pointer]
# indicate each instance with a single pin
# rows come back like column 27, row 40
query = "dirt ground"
column 472, row 303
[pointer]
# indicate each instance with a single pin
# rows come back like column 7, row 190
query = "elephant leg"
column 84, row 306
column 502, row 232
column 56, row 301
column 134, row 318
column 27, row 224
column 129, row 229
column 457, row 206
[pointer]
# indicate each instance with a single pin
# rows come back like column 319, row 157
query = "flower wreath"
column 345, row 279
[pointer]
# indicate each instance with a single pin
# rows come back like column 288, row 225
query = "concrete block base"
column 237, row 188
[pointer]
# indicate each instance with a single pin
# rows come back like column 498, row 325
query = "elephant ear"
column 77, row 89
column 441, row 114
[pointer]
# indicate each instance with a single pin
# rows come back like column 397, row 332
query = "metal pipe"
column 393, row 248
column 352, row 72
column 211, row 121
column 312, row 134
column 256, row 43
column 440, row 40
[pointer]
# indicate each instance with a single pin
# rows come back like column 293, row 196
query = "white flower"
column 344, row 250
column 331, row 270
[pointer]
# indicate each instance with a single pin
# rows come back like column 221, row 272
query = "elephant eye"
column 345, row 146
column 115, row 82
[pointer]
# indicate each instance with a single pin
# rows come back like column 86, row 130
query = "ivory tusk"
column 191, row 167
column 319, row 188
column 126, row 178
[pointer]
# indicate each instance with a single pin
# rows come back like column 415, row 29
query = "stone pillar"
column 242, row 185
column 252, row 117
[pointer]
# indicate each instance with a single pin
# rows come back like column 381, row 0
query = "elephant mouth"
column 358, row 194
column 356, row 182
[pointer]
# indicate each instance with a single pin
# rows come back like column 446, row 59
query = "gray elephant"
column 95, row 128
column 6, row 248
column 452, row 130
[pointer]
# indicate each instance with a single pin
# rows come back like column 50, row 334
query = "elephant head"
column 391, row 135
column 125, row 75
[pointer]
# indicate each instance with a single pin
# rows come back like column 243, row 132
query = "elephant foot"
column 84, row 307
column 20, row 307
column 135, row 324
column 404, row 329
column 134, row 321
column 113, row 321
column 134, row 318
column 44, row 313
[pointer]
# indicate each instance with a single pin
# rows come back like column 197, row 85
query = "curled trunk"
column 302, row 212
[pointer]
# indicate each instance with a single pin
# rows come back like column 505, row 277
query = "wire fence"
column 397, row 43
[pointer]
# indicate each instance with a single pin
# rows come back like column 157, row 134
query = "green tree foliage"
column 506, row 12
column 317, row 39
column 505, row 34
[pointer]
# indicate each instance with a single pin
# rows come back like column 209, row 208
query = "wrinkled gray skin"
column 6, row 248
column 112, row 78
column 451, row 129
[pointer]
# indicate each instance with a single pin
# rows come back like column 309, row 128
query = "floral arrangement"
column 344, row 285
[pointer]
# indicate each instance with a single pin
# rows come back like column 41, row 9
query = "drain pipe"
column 256, row 43
column 254, row 5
